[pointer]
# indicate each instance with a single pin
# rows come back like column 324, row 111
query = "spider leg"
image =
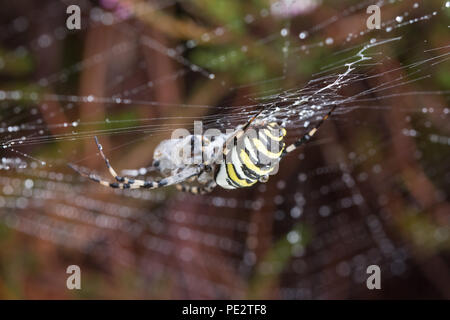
column 197, row 190
column 238, row 134
column 126, row 183
column 144, row 184
column 108, row 164
column 307, row 136
column 95, row 178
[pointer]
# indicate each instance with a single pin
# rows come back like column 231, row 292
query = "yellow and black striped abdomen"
column 251, row 157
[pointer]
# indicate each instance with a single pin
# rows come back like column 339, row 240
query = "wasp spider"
column 232, row 161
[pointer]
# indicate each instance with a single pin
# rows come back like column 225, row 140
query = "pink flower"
column 108, row 4
column 292, row 8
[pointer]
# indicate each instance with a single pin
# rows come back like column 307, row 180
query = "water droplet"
column 303, row 35
column 28, row 183
column 293, row 237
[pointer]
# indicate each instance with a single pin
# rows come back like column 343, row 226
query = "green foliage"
column 443, row 75
column 231, row 60
column 224, row 11
column 15, row 64
column 124, row 119
column 269, row 270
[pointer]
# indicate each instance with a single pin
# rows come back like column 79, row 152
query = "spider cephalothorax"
column 197, row 164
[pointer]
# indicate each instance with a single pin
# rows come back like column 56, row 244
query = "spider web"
column 371, row 188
